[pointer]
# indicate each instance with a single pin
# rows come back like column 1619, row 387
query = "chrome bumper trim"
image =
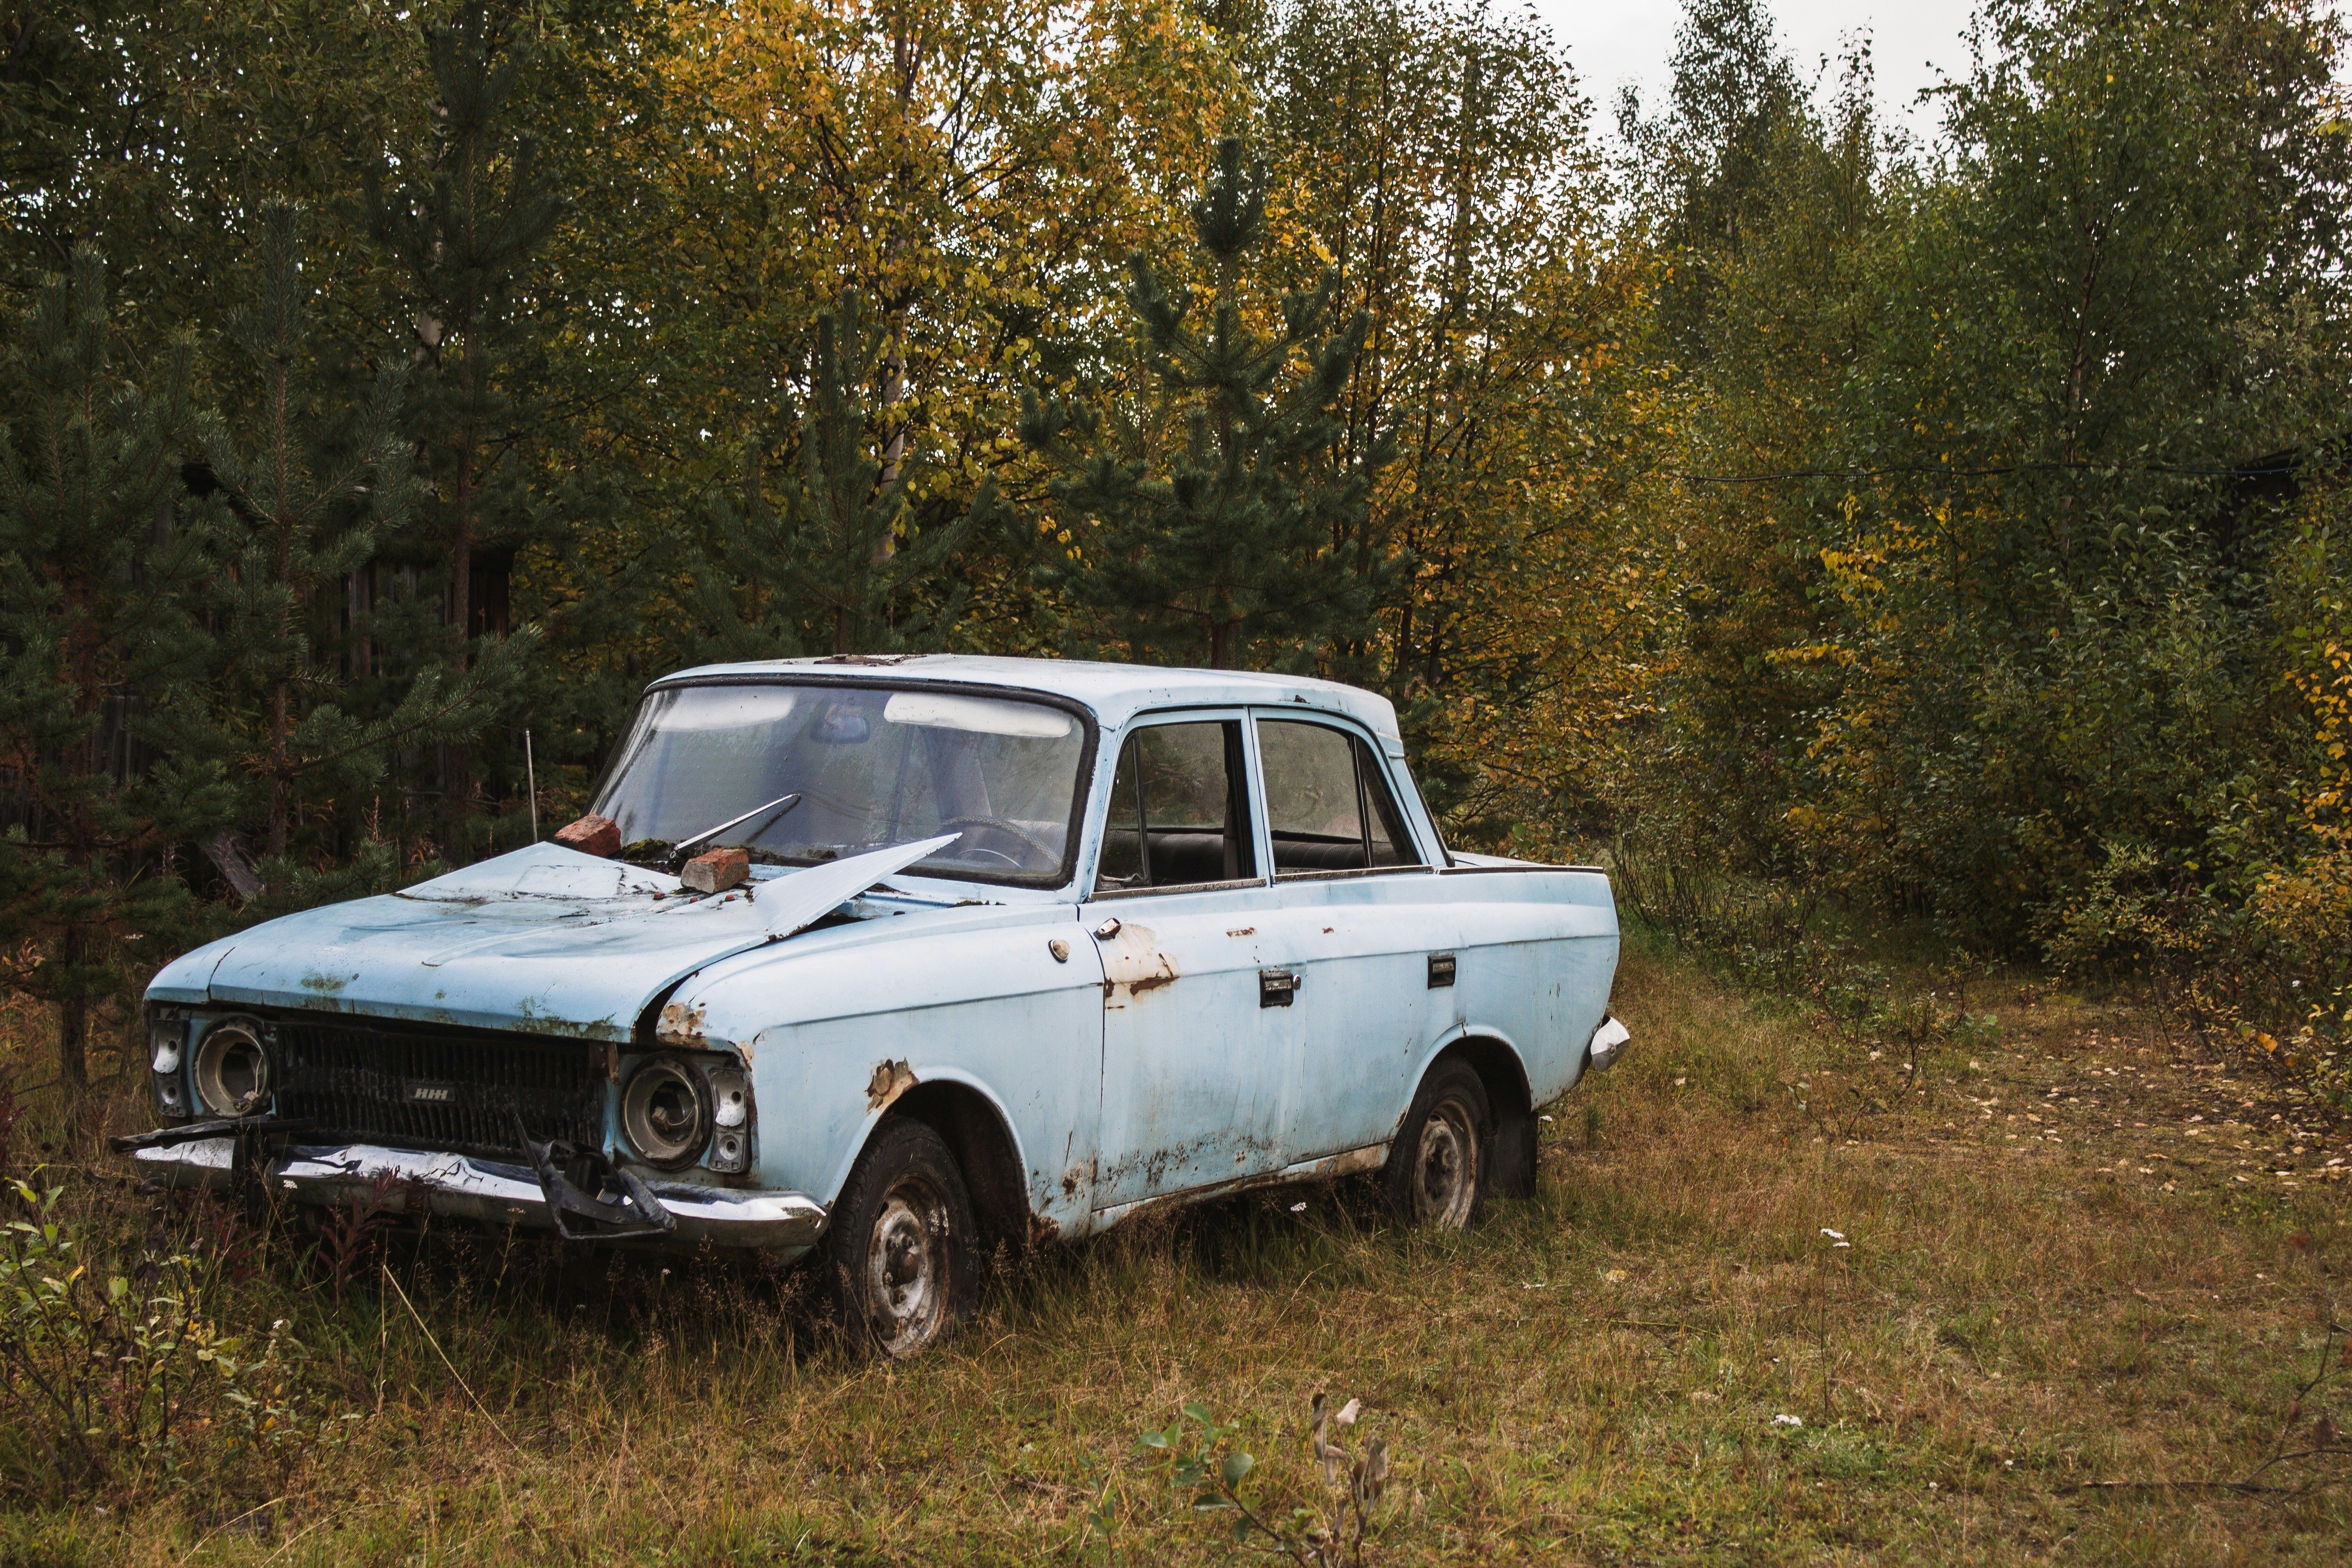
column 485, row 1190
column 1609, row 1043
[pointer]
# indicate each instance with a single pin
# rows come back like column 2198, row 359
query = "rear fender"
column 1503, row 1069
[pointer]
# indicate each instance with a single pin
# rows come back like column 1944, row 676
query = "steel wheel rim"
column 1445, row 1171
column 906, row 1267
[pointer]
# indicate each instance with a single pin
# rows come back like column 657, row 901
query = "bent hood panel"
column 546, row 941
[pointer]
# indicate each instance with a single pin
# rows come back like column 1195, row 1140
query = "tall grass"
column 1595, row 1375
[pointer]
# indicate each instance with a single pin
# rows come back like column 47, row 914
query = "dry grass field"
column 2089, row 1280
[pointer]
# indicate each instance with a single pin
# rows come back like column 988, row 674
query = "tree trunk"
column 281, row 787
column 358, row 597
column 281, row 721
column 73, row 1026
column 906, row 52
column 461, row 544
column 456, row 779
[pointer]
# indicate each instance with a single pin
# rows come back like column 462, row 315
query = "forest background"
column 1818, row 524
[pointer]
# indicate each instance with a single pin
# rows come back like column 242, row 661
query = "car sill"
column 1347, row 1163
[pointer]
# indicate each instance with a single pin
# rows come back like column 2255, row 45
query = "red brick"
column 598, row 836
column 716, row 872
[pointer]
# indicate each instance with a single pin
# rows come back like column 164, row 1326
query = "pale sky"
column 1630, row 42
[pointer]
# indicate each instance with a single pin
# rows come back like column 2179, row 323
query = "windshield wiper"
column 678, row 851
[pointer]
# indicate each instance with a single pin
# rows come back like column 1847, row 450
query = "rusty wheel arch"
column 1513, row 1151
column 976, row 1134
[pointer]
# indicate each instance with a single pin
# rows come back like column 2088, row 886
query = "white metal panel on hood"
column 543, row 940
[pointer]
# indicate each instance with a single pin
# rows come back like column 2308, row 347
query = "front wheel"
column 899, row 1251
column 1436, row 1170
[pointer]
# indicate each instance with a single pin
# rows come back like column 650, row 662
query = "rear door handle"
column 1276, row 987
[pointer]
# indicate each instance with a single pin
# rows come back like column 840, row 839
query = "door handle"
column 1276, row 987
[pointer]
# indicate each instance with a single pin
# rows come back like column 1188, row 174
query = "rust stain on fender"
column 679, row 1024
column 1134, row 966
column 890, row 1080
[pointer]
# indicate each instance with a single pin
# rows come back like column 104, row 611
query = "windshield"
column 871, row 765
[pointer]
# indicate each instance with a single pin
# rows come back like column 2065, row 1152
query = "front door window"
column 1178, row 814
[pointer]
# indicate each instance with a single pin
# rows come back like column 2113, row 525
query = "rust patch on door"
column 1134, row 966
column 890, row 1080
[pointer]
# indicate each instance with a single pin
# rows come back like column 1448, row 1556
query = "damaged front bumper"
column 488, row 1191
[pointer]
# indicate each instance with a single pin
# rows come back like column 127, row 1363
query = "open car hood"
column 545, row 940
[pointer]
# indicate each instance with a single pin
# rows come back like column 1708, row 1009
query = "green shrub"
column 122, row 1365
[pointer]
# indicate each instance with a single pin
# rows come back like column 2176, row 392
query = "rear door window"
column 1329, row 805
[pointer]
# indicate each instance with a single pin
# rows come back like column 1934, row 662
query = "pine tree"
column 1225, row 543
column 826, row 559
column 465, row 232
column 95, row 582
column 314, row 500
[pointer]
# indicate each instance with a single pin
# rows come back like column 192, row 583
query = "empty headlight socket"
column 680, row 1109
column 231, row 1069
column 666, row 1111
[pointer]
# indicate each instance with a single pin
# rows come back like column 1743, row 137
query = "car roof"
column 1114, row 692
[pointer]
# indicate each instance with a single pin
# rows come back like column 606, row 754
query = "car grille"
column 416, row 1085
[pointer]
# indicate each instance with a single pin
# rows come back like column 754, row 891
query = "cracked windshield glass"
column 871, row 766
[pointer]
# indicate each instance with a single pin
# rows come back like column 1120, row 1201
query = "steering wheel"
column 1046, row 854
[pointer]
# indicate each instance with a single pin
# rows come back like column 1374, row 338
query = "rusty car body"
column 1022, row 947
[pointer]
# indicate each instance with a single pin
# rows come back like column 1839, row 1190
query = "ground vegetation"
column 2091, row 1301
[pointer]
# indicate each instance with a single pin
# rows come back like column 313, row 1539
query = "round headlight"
column 232, row 1069
column 666, row 1111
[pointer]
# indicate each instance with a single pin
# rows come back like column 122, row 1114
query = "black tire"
column 1441, row 1164
column 898, row 1254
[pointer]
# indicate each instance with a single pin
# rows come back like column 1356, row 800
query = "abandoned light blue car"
column 905, row 960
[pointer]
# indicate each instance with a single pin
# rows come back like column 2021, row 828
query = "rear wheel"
column 1436, row 1170
column 899, row 1251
